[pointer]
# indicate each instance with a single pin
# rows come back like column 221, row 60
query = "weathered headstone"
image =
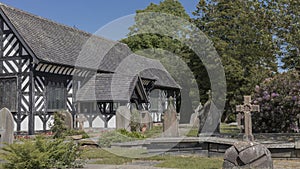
column 239, row 120
column 247, row 155
column 81, row 119
column 170, row 121
column 123, row 117
column 194, row 121
column 146, row 120
column 209, row 118
column 247, row 108
column 67, row 118
column 6, row 127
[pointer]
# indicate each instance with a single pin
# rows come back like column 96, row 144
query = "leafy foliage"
column 242, row 35
column 58, row 128
column 279, row 98
column 165, row 43
column 288, row 28
column 41, row 153
column 135, row 120
column 118, row 136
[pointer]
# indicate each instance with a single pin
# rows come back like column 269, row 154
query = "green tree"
column 288, row 29
column 141, row 37
column 243, row 37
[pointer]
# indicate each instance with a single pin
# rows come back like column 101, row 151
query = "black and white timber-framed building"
column 46, row 67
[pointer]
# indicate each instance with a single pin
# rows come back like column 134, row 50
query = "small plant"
column 60, row 130
column 135, row 120
column 112, row 137
column 133, row 134
column 58, row 127
column 72, row 132
column 119, row 136
column 41, row 153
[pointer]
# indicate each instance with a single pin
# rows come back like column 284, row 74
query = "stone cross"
column 81, row 119
column 247, row 108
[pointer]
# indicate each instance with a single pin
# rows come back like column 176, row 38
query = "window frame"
column 59, row 83
column 15, row 79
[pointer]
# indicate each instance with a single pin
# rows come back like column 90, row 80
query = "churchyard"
column 156, row 146
column 58, row 110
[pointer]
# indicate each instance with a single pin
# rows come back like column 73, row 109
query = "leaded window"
column 8, row 93
column 56, row 96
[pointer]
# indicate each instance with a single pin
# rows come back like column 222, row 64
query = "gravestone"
column 146, row 120
column 67, row 118
column 247, row 108
column 239, row 120
column 123, row 117
column 246, row 154
column 194, row 121
column 6, row 127
column 209, row 118
column 170, row 121
column 81, row 119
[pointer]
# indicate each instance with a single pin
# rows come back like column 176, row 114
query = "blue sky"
column 87, row 15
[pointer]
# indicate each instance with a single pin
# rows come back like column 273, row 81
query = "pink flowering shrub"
column 279, row 100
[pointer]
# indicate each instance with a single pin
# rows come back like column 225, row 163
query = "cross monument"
column 247, row 108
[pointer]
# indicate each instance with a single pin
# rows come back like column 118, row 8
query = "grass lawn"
column 101, row 156
column 227, row 129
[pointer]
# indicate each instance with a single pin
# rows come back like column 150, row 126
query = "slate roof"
column 110, row 87
column 56, row 43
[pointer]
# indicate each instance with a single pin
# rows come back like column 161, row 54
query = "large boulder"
column 247, row 155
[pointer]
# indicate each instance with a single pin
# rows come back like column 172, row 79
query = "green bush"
column 135, row 120
column 73, row 132
column 58, row 127
column 279, row 100
column 133, row 134
column 41, row 153
column 60, row 130
column 118, row 136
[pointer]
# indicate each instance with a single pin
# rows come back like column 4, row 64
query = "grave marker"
column 170, row 121
column 194, row 121
column 6, row 127
column 239, row 118
column 247, row 108
column 146, row 120
column 81, row 119
column 67, row 118
column 123, row 117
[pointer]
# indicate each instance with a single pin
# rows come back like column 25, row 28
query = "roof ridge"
column 43, row 18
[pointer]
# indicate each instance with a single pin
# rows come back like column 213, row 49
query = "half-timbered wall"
column 16, row 63
column 47, row 74
column 31, row 79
